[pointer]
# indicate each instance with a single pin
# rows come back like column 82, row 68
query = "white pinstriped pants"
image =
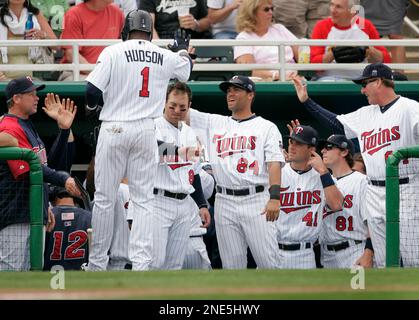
column 344, row 258
column 171, row 227
column 239, row 224
column 196, row 255
column 14, row 247
column 124, row 149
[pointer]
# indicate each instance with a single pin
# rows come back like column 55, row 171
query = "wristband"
column 368, row 244
column 275, row 191
column 204, row 205
column 327, row 180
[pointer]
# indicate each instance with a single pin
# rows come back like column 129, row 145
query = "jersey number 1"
column 144, row 87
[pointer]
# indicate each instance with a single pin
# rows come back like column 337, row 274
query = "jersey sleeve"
column 183, row 67
column 414, row 118
column 215, row 4
column 320, row 31
column 100, row 75
column 273, row 146
column 350, row 122
column 17, row 167
column 362, row 205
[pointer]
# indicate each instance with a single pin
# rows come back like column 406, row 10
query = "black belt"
column 169, row 194
column 341, row 246
column 293, row 247
column 239, row 192
column 197, row 236
column 382, row 183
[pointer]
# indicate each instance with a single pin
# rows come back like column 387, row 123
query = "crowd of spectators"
column 208, row 19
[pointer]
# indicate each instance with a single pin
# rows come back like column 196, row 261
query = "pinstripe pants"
column 171, row 227
column 124, row 149
column 345, row 258
column 14, row 247
column 239, row 224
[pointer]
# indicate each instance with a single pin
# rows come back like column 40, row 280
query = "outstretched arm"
column 324, row 116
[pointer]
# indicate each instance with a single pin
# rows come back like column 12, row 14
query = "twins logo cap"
column 375, row 70
column 340, row 141
column 241, row 82
column 21, row 85
column 305, row 135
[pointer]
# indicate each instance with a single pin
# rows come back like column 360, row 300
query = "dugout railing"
column 36, row 199
column 393, row 203
column 282, row 66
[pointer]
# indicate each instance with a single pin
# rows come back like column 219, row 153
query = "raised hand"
column 180, row 41
column 300, row 85
column 66, row 114
column 52, row 105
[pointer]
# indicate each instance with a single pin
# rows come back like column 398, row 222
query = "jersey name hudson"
column 135, row 55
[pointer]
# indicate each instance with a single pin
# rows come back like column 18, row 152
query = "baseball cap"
column 304, row 134
column 340, row 141
column 241, row 82
column 21, row 85
column 375, row 70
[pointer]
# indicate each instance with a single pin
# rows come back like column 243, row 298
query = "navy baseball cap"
column 21, row 85
column 241, row 82
column 305, row 134
column 340, row 141
column 375, row 70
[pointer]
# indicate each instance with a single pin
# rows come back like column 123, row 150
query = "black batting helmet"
column 137, row 20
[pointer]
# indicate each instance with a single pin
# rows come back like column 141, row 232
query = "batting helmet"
column 137, row 20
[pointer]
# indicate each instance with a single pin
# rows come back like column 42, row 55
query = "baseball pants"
column 239, row 224
column 171, row 227
column 298, row 259
column 196, row 255
column 345, row 258
column 14, row 247
column 124, row 149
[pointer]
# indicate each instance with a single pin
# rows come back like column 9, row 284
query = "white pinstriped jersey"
column 380, row 134
column 302, row 204
column 174, row 174
column 238, row 150
column 348, row 223
column 133, row 76
column 120, row 239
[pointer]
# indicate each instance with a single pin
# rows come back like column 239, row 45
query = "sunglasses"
column 267, row 9
column 365, row 83
column 329, row 146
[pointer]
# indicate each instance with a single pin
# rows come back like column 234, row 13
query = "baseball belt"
column 341, row 246
column 382, row 183
column 179, row 196
column 294, row 247
column 239, row 192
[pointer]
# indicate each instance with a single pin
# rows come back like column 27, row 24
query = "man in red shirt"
column 344, row 23
column 92, row 19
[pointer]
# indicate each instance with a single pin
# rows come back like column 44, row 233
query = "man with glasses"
column 389, row 123
column 306, row 188
column 344, row 236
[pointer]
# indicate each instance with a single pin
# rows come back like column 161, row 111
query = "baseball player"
column 118, row 252
column 174, row 181
column 307, row 187
column 66, row 245
column 131, row 77
column 196, row 253
column 344, row 236
column 389, row 123
column 246, row 157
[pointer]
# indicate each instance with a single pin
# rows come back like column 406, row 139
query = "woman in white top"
column 254, row 22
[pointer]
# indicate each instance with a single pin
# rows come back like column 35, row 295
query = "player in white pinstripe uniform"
column 131, row 76
column 344, row 233
column 196, row 254
column 175, row 180
column 118, row 252
column 389, row 123
column 246, row 157
column 306, row 188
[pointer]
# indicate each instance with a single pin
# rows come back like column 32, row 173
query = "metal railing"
column 282, row 66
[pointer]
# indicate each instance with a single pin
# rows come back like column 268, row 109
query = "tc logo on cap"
column 298, row 130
